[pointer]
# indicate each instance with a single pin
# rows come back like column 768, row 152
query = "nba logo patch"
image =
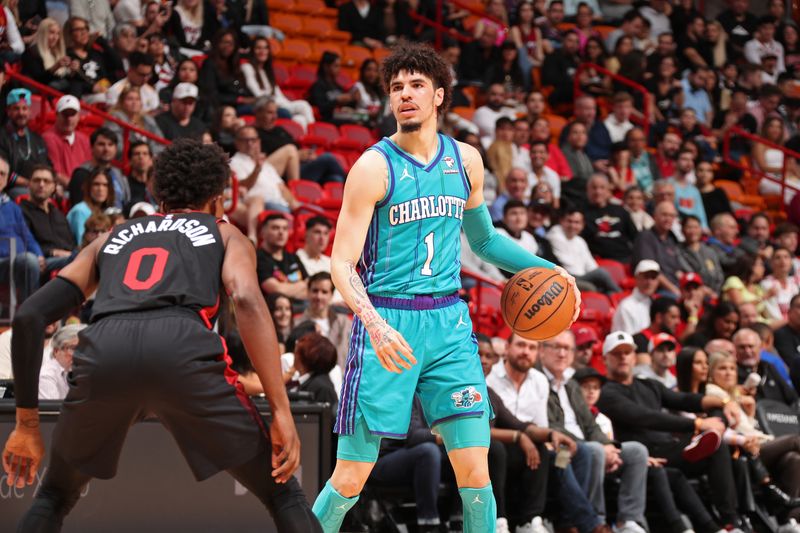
column 466, row 398
column 450, row 164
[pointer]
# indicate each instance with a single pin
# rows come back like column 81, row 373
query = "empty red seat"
column 354, row 137
column 334, row 189
column 292, row 128
column 324, row 129
column 306, row 191
column 617, row 272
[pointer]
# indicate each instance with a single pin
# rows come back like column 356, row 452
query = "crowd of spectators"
column 704, row 334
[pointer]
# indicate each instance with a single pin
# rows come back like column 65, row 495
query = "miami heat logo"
column 464, row 399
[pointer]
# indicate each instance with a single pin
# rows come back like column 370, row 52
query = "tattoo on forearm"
column 362, row 307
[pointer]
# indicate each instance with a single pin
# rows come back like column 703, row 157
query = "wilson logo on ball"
column 547, row 298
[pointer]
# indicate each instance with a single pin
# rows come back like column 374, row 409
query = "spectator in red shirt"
column 67, row 148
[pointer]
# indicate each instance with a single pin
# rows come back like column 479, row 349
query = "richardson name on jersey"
column 198, row 233
column 426, row 207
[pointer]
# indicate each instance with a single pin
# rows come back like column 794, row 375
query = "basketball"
column 537, row 303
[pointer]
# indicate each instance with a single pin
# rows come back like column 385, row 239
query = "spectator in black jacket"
column 364, row 20
column 787, row 338
column 47, row 223
column 91, row 76
column 748, row 360
column 314, row 358
column 221, row 78
column 609, row 230
column 326, row 93
column 559, row 67
column 291, row 161
column 21, row 147
column 636, row 409
column 192, row 24
column 46, row 59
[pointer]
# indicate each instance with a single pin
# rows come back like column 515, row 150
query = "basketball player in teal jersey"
column 405, row 201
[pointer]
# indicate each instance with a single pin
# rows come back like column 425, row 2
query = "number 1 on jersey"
column 426, row 268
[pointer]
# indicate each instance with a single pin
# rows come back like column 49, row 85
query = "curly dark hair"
column 189, row 173
column 420, row 58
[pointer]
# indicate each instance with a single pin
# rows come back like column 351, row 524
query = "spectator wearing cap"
column 178, row 122
column 104, row 150
column 21, row 147
column 687, row 197
column 29, row 261
column 748, row 360
column 787, row 337
column 66, row 147
column 259, row 183
column 568, row 413
column 53, row 383
column 46, row 221
column 638, row 410
column 699, row 257
column 516, row 188
column 660, row 244
column 665, row 317
column 279, row 271
column 610, row 231
column 139, row 73
column 661, row 348
column 573, row 253
column 585, row 342
column 691, row 302
column 633, row 313
column 764, row 44
column 591, row 382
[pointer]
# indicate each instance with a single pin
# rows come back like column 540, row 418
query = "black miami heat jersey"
column 160, row 261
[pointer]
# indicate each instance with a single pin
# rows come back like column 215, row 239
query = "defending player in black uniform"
column 150, row 349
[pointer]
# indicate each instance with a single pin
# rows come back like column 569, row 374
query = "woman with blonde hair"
column 129, row 109
column 46, row 59
column 190, row 24
column 718, row 39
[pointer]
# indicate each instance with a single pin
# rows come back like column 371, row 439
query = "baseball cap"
column 647, row 265
column 659, row 339
column 185, row 90
column 15, row 95
column 588, row 372
column 691, row 277
column 68, row 102
column 617, row 338
column 141, row 207
column 584, row 335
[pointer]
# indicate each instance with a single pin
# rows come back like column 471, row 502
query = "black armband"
column 50, row 303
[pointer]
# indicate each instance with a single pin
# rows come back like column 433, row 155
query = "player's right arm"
column 366, row 185
column 24, row 448
column 259, row 338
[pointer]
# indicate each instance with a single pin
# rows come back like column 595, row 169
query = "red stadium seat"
column 306, row 191
column 324, row 129
column 617, row 272
column 596, row 307
column 293, row 128
column 281, row 73
column 333, row 190
column 354, row 137
column 301, row 77
column 342, row 159
column 286, row 22
column 617, row 297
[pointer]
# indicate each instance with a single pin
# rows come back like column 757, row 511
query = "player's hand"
column 285, row 446
column 577, row 311
column 22, row 455
column 390, row 347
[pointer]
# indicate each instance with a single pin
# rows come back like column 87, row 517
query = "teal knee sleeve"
column 361, row 446
column 464, row 432
column 330, row 508
column 480, row 509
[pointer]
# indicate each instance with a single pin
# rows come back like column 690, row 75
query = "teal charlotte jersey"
column 413, row 245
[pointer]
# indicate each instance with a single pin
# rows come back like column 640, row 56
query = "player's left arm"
column 24, row 448
column 484, row 240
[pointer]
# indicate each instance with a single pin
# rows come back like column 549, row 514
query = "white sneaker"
column 789, row 527
column 502, row 526
column 734, row 530
column 534, row 526
column 628, row 527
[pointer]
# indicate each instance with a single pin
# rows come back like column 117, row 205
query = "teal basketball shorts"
column 447, row 377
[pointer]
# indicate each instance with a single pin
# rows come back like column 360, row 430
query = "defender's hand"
column 285, row 446
column 577, row 311
column 22, row 455
column 391, row 348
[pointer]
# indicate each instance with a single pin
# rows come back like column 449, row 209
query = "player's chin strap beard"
column 410, row 128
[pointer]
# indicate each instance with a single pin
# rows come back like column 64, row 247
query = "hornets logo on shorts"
column 464, row 399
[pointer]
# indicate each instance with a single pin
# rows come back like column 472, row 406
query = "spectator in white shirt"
column 764, row 44
column 486, row 116
column 53, row 376
column 312, row 254
column 139, row 71
column 633, row 313
column 542, row 173
column 780, row 286
column 259, row 183
column 573, row 253
column 523, row 389
column 618, row 122
column 6, row 371
column 515, row 222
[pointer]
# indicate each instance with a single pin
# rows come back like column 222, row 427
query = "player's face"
column 413, row 100
column 591, row 390
column 319, row 295
column 488, row 357
column 522, row 353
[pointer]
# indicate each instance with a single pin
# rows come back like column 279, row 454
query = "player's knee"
column 474, row 475
column 348, row 482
